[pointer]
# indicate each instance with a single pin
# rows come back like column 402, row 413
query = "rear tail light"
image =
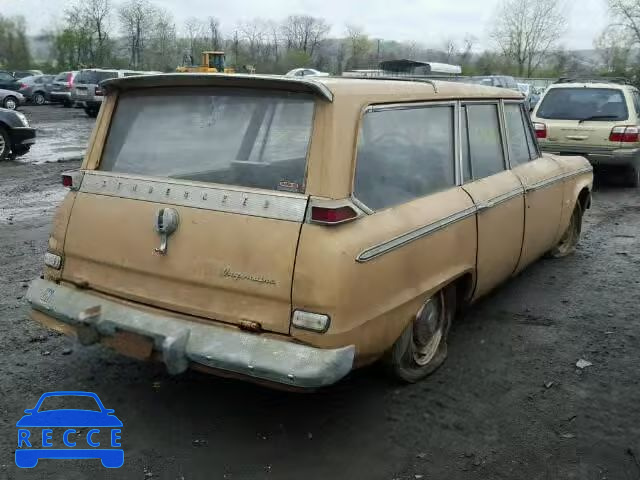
column 23, row 86
column 315, row 322
column 541, row 130
column 625, row 134
column 333, row 215
column 72, row 180
column 52, row 260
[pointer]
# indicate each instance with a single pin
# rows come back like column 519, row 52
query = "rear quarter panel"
column 579, row 178
column 371, row 303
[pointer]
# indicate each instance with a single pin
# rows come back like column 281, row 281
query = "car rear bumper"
column 181, row 342
column 22, row 136
column 596, row 155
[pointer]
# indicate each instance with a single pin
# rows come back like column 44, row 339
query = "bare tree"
column 214, row 33
column 137, row 18
column 254, row 33
column 98, row 14
column 163, row 40
column 304, row 32
column 450, row 50
column 614, row 47
column 359, row 44
column 194, row 31
column 626, row 17
column 526, row 31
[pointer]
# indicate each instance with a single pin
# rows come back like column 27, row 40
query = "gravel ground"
column 509, row 403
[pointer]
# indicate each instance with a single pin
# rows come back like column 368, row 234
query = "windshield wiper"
column 598, row 117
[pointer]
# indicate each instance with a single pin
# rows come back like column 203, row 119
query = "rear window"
column 93, row 77
column 61, row 77
column 238, row 137
column 593, row 104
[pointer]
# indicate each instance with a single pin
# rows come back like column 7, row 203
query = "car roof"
column 609, row 85
column 347, row 89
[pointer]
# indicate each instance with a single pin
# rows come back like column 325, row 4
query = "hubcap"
column 3, row 146
column 39, row 99
column 427, row 332
column 10, row 103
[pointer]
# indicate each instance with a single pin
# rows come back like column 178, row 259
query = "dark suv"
column 16, row 136
column 9, row 82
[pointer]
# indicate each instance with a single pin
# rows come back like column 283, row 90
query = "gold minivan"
column 290, row 230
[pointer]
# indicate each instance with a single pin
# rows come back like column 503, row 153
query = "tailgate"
column 219, row 264
column 226, row 168
column 575, row 134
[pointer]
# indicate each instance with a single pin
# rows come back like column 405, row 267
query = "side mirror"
column 29, row 410
column 109, row 411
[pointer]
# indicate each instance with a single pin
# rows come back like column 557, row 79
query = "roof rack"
column 619, row 80
column 399, row 78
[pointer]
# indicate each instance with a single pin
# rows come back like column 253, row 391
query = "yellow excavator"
column 212, row 62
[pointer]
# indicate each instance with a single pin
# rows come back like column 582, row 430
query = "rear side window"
column 587, row 104
column 237, row 137
column 516, row 135
column 404, row 154
column 61, row 77
column 485, row 152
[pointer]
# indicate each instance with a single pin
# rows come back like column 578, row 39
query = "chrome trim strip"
column 406, row 238
column 276, row 205
column 550, row 181
column 500, row 199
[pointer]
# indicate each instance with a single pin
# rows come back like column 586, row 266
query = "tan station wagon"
column 290, row 230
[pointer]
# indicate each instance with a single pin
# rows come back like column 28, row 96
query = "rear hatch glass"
column 256, row 140
column 93, row 77
column 584, row 104
column 231, row 165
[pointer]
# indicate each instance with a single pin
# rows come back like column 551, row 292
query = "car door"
column 496, row 191
column 542, row 178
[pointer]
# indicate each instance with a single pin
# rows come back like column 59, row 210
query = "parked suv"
column 60, row 91
column 289, row 230
column 500, row 81
column 87, row 90
column 594, row 118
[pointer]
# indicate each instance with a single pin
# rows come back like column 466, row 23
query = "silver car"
column 87, row 92
column 11, row 100
column 34, row 88
column 61, row 88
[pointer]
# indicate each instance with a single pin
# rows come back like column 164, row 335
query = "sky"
column 429, row 22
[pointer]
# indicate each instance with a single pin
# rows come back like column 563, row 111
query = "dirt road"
column 509, row 403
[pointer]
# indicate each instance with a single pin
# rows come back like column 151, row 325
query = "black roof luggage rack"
column 619, row 80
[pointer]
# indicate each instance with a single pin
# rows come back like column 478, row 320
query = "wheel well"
column 464, row 289
column 585, row 199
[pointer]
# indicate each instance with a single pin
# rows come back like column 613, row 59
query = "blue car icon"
column 62, row 433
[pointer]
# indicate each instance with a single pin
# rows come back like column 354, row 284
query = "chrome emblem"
column 167, row 221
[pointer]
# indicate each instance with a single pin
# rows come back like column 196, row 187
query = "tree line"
column 526, row 41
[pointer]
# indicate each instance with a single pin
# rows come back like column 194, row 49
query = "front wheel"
column 10, row 102
column 5, row 144
column 634, row 179
column 422, row 347
column 571, row 237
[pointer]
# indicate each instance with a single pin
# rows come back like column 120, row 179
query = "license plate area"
column 130, row 344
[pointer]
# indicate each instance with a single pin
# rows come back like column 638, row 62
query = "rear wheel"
column 569, row 240
column 67, row 104
column 5, row 144
column 38, row 98
column 10, row 102
column 422, row 347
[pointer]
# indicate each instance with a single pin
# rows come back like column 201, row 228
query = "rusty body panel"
column 245, row 256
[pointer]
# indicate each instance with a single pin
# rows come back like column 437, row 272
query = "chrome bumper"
column 181, row 341
column 596, row 155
